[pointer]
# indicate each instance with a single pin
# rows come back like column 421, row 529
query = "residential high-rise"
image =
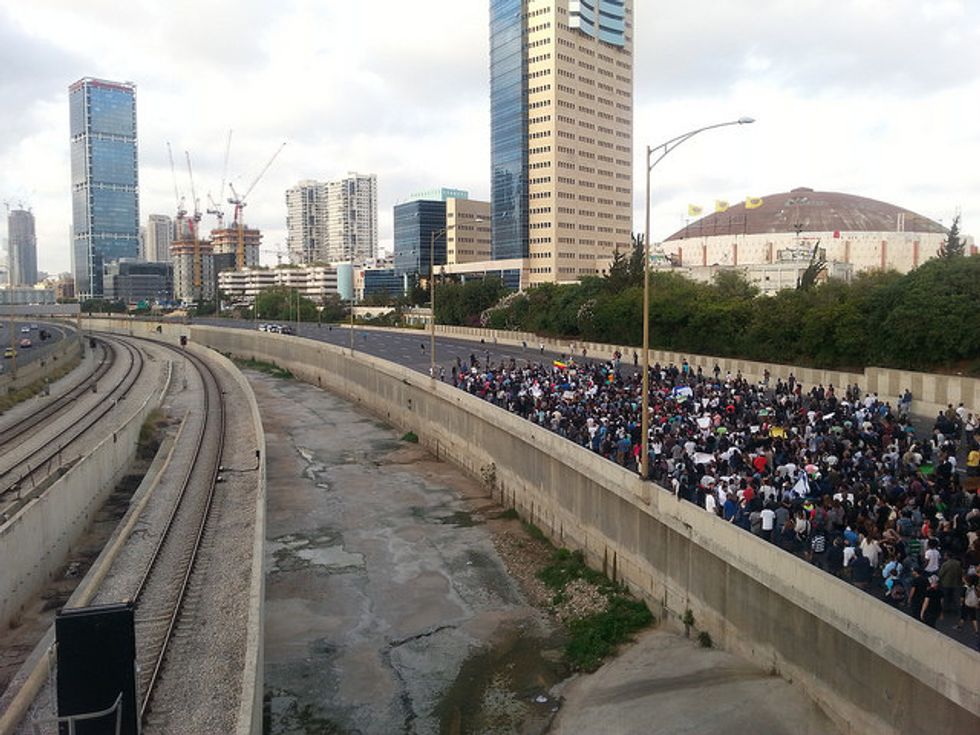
column 332, row 222
column 561, row 110
column 159, row 234
column 104, row 178
column 306, row 222
column 22, row 244
column 352, row 219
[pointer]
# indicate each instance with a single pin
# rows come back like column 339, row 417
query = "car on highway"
column 25, row 343
column 34, row 327
column 9, row 352
column 25, row 329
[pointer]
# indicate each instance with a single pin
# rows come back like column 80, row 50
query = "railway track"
column 163, row 588
column 38, row 465
column 10, row 435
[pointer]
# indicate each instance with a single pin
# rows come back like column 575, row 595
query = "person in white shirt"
column 710, row 502
column 932, row 556
column 768, row 521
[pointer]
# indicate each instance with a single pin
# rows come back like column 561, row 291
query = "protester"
column 806, row 469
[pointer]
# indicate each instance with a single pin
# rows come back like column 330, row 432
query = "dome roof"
column 804, row 210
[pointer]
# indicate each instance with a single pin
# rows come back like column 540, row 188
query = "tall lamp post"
column 661, row 150
column 432, row 291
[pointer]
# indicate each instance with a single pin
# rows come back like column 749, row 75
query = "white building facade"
column 333, row 221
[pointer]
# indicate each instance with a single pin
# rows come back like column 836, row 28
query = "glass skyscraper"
column 104, row 178
column 415, row 222
column 508, row 129
column 561, row 135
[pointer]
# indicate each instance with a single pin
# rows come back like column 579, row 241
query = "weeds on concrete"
column 149, row 439
column 595, row 636
column 534, row 532
column 510, row 514
column 264, row 367
column 13, row 397
column 704, row 639
column 410, row 436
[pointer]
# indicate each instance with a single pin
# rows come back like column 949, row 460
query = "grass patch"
column 510, row 514
column 264, row 367
column 704, row 639
column 596, row 636
column 13, row 397
column 410, row 436
column 534, row 532
column 567, row 566
column 149, row 439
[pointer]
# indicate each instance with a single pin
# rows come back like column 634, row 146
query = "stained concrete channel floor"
column 389, row 610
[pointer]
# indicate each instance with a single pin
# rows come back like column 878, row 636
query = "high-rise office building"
column 157, row 238
column 334, row 221
column 415, row 224
column 561, row 110
column 467, row 231
column 22, row 248
column 104, row 177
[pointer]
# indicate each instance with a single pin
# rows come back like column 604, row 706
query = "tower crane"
column 215, row 208
column 179, row 200
column 196, row 201
column 239, row 203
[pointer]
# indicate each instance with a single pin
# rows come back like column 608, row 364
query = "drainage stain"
column 503, row 688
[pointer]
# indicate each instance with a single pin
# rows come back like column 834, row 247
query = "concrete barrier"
column 932, row 392
column 36, row 540
column 873, row 669
column 67, row 352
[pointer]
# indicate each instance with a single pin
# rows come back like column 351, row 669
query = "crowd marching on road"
column 834, row 475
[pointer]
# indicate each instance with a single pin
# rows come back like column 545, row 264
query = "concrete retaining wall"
column 873, row 669
column 35, row 542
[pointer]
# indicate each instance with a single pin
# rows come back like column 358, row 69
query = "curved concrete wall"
column 36, row 540
column 873, row 668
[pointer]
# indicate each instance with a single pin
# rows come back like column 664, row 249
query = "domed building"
column 852, row 233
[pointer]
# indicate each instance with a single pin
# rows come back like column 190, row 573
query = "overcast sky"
column 873, row 97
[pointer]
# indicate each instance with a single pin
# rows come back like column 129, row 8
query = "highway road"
column 38, row 349
column 408, row 350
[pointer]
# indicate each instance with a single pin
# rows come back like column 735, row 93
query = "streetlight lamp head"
column 746, row 120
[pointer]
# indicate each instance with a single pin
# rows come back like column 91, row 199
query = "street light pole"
column 663, row 149
column 432, row 300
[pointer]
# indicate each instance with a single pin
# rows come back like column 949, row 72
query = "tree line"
column 926, row 319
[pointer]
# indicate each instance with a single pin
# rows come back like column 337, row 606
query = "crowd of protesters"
column 835, row 475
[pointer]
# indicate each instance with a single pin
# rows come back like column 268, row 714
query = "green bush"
column 594, row 637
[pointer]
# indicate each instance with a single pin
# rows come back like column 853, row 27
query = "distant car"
column 263, row 327
column 44, row 334
column 24, row 343
column 25, row 329
column 274, row 328
column 286, row 329
column 9, row 352
column 34, row 326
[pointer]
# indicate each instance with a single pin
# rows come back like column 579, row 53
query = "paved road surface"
column 38, row 349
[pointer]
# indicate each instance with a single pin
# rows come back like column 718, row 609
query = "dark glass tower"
column 508, row 130
column 414, row 224
column 104, row 178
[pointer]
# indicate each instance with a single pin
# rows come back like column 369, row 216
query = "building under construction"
column 193, row 261
column 243, row 242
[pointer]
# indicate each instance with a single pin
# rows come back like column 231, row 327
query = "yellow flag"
column 721, row 206
column 753, row 202
column 693, row 210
